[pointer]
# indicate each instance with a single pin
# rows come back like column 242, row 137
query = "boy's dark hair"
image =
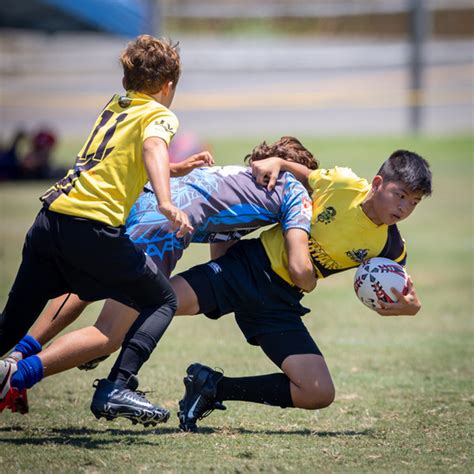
column 148, row 63
column 287, row 148
column 410, row 169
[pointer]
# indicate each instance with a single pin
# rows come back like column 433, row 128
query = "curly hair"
column 287, row 148
column 148, row 63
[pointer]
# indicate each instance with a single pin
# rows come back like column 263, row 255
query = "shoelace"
column 217, row 406
column 139, row 394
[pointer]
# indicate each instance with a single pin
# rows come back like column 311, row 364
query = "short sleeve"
column 316, row 177
column 164, row 125
column 322, row 180
column 296, row 208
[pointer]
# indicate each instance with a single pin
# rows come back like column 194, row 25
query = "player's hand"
column 266, row 171
column 177, row 217
column 407, row 305
column 204, row 158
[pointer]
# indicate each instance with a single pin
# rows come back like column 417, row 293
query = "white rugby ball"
column 375, row 278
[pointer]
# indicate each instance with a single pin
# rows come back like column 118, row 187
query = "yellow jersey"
column 342, row 235
column 109, row 172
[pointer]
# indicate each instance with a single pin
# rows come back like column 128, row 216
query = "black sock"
column 140, row 342
column 271, row 389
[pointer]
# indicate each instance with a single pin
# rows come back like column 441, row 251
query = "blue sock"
column 29, row 372
column 28, row 346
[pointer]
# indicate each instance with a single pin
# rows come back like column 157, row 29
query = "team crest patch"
column 327, row 216
column 124, row 101
column 358, row 255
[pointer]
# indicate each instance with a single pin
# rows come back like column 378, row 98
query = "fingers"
column 406, row 306
column 182, row 224
column 272, row 181
column 179, row 220
column 184, row 229
column 394, row 310
column 198, row 163
column 209, row 158
column 398, row 294
column 205, row 157
column 261, row 178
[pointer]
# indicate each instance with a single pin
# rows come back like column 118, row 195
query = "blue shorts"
column 242, row 282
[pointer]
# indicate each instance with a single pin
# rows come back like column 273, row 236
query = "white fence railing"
column 186, row 9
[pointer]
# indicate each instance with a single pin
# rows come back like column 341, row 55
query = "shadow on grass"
column 302, row 432
column 82, row 437
column 97, row 439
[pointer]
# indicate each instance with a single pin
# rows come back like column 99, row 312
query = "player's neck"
column 367, row 206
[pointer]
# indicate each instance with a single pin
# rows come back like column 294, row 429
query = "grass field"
column 404, row 385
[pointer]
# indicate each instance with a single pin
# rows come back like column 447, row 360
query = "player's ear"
column 168, row 87
column 377, row 182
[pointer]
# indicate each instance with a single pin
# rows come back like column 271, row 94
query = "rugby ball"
column 375, row 278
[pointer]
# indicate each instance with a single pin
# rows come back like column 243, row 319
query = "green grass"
column 404, row 385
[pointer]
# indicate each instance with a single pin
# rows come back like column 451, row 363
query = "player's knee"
column 318, row 395
column 113, row 343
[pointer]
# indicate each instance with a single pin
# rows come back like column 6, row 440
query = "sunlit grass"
column 404, row 385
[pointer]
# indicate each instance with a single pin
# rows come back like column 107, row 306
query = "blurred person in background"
column 36, row 164
column 185, row 145
column 10, row 168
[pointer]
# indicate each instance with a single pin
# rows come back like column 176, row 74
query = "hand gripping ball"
column 375, row 278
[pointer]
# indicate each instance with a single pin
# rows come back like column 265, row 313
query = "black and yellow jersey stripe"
column 109, row 173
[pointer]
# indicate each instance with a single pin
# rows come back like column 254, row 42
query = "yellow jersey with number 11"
column 342, row 235
column 109, row 172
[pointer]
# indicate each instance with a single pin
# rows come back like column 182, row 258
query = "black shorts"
column 242, row 282
column 66, row 254
column 280, row 345
column 89, row 258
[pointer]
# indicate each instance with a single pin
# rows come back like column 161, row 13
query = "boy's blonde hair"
column 149, row 63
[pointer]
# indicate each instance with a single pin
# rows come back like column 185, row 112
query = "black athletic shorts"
column 242, row 282
column 86, row 257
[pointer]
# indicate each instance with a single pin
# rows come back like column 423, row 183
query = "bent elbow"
column 303, row 277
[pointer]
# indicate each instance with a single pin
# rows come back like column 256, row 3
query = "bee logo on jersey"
column 327, row 216
column 358, row 255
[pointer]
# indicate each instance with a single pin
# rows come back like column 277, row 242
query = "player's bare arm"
column 266, row 171
column 407, row 305
column 155, row 158
column 300, row 268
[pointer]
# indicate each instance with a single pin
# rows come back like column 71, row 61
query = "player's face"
column 393, row 202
